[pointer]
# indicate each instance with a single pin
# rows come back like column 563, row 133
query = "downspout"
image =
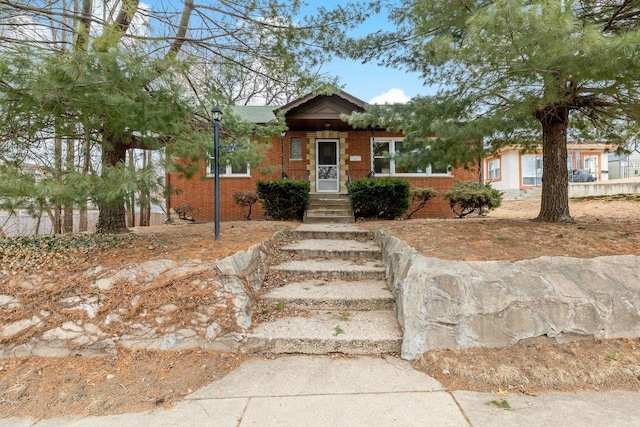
column 283, row 174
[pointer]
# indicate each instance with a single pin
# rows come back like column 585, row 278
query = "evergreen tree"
column 511, row 73
column 116, row 72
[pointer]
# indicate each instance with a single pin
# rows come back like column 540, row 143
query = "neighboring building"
column 625, row 165
column 318, row 147
column 513, row 171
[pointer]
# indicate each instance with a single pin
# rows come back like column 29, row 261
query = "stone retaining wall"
column 229, row 284
column 451, row 304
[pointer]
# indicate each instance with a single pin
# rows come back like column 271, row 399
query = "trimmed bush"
column 420, row 196
column 284, row 199
column 186, row 212
column 385, row 198
column 245, row 199
column 466, row 197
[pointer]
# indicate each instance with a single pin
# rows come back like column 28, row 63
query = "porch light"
column 217, row 115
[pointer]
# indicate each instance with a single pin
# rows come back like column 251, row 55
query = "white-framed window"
column 591, row 164
column 296, row 149
column 384, row 163
column 229, row 170
column 531, row 169
column 493, row 169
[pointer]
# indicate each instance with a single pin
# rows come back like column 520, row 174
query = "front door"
column 327, row 166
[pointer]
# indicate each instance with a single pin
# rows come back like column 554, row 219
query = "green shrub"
column 466, row 197
column 284, row 199
column 420, row 196
column 385, row 198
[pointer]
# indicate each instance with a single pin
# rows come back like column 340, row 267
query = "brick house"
column 320, row 147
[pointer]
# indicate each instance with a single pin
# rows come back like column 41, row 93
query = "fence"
column 23, row 224
column 605, row 188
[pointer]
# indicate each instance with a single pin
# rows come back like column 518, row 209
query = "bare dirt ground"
column 141, row 380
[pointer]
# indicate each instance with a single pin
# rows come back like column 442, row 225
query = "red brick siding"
column 198, row 191
column 296, row 169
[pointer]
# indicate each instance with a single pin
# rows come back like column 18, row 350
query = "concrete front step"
column 330, row 231
column 331, row 248
column 334, row 196
column 358, row 332
column 333, row 295
column 329, row 202
column 311, row 218
column 328, row 208
column 332, row 269
column 329, row 212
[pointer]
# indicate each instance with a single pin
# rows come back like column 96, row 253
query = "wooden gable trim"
column 305, row 99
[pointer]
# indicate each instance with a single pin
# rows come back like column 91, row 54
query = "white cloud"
column 392, row 96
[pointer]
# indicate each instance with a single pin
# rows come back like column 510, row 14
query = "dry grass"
column 576, row 366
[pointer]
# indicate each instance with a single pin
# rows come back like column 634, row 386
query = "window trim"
column 392, row 166
column 498, row 177
column 537, row 177
column 299, row 140
column 227, row 171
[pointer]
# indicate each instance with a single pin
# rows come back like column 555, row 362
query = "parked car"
column 581, row 175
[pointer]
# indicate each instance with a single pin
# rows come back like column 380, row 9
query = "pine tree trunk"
column 112, row 218
column 38, row 222
column 57, row 209
column 67, row 217
column 83, row 223
column 145, row 196
column 131, row 201
column 554, row 206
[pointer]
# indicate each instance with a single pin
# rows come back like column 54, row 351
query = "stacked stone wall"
column 455, row 304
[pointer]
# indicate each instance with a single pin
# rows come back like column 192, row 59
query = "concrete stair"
column 527, row 194
column 338, row 285
column 328, row 208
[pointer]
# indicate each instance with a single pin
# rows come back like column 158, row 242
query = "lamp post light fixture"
column 217, row 115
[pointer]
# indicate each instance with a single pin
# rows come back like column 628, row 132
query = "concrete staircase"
column 328, row 208
column 527, row 194
column 336, row 282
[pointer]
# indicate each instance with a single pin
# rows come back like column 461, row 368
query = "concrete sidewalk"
column 360, row 391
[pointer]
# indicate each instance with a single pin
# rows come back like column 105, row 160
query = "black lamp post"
column 282, row 135
column 217, row 115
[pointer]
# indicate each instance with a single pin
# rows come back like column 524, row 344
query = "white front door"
column 327, row 166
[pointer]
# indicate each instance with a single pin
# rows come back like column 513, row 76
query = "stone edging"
column 233, row 282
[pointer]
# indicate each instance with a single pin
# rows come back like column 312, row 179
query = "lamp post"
column 282, row 135
column 217, row 115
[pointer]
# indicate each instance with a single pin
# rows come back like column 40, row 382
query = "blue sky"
column 376, row 84
column 371, row 82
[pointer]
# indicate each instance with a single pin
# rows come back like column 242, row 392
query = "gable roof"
column 312, row 111
column 341, row 94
